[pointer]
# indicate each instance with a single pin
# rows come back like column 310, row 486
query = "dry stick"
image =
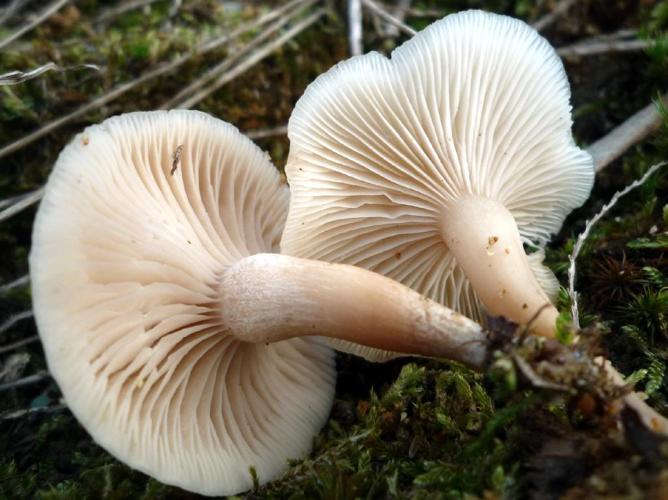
column 616, row 35
column 386, row 16
column 11, row 200
column 214, row 72
column 22, row 281
column 19, row 343
column 11, row 9
column 39, row 19
column 121, row 89
column 413, row 12
column 592, row 48
column 633, row 130
column 30, row 379
column 16, row 77
column 399, row 12
column 15, row 318
column 355, row 27
column 403, row 9
column 253, row 59
column 548, row 19
column 584, row 234
column 14, row 414
column 262, row 133
column 122, row 9
column 26, row 201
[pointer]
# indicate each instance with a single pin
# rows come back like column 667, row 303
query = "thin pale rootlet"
column 419, row 428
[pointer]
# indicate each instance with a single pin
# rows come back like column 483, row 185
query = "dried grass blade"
column 39, row 19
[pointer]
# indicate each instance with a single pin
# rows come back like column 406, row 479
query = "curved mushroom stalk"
column 271, row 297
column 484, row 238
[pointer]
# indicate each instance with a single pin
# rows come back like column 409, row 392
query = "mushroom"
column 435, row 166
column 183, row 347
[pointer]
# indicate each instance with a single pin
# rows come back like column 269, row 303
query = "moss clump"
column 432, row 433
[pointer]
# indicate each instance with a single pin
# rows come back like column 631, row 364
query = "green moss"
column 428, row 435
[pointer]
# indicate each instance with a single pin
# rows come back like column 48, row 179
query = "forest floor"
column 408, row 428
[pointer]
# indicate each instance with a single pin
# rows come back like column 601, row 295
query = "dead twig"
column 11, row 200
column 651, row 419
column 30, row 379
column 15, row 318
column 22, row 281
column 403, row 9
column 13, row 366
column 21, row 204
column 11, row 9
column 548, row 19
column 14, row 414
column 616, row 35
column 252, row 60
column 36, row 21
column 386, row 16
column 166, row 67
column 399, row 12
column 633, row 130
column 355, row 27
column 19, row 343
column 415, row 12
column 123, row 7
column 263, row 133
column 16, row 77
column 579, row 243
column 592, row 48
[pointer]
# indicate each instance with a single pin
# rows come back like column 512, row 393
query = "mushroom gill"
column 434, row 166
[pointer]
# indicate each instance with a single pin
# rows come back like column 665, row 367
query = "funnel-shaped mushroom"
column 165, row 332
column 433, row 167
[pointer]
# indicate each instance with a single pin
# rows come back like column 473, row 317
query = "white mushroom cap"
column 476, row 105
column 125, row 267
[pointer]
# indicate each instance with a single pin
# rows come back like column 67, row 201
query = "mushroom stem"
column 271, row 297
column 484, row 238
column 485, row 241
